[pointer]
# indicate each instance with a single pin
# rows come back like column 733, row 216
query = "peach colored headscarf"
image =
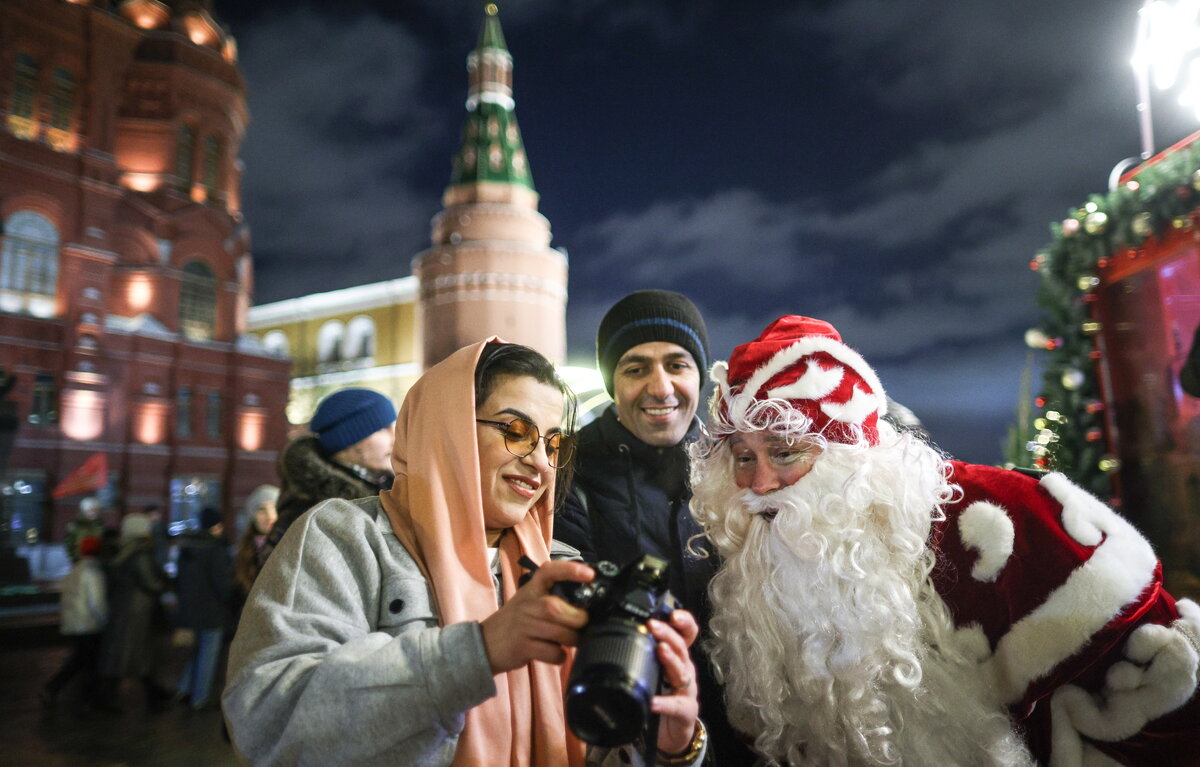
column 436, row 510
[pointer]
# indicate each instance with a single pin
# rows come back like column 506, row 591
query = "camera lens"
column 614, row 676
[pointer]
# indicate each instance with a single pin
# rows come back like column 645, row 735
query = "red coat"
column 1058, row 593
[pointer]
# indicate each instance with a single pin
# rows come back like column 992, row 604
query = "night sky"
column 888, row 166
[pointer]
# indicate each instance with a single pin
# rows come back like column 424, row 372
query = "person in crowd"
column 630, row 493
column 86, row 523
column 203, row 586
column 135, row 585
column 260, row 515
column 880, row 604
column 83, row 613
column 346, row 456
column 392, row 630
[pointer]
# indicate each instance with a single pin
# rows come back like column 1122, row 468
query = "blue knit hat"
column 349, row 416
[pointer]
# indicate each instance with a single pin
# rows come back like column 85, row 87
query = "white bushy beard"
column 825, row 619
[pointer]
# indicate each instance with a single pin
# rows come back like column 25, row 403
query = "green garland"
column 1069, row 429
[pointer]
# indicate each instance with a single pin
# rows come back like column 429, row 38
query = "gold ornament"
column 1196, row 180
column 1096, row 222
column 1142, row 224
column 1110, row 463
column 1087, row 282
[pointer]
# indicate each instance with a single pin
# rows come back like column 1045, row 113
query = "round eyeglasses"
column 521, row 438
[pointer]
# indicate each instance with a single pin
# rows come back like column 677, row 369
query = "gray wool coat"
column 339, row 658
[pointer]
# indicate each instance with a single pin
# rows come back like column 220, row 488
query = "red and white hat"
column 802, row 361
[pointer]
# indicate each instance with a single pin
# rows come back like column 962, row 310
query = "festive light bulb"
column 1096, row 222
column 1072, row 379
column 1070, row 227
column 1053, row 415
column 1109, row 463
column 1090, row 328
column 1035, row 338
column 1087, row 282
column 1039, row 423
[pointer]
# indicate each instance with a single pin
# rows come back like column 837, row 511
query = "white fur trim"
column 1159, row 677
column 986, row 528
column 973, row 643
column 816, row 383
column 1118, row 571
column 720, row 375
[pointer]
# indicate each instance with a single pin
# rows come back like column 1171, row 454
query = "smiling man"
column 880, row 605
column 630, row 493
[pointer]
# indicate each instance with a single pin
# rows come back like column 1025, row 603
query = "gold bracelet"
column 690, row 754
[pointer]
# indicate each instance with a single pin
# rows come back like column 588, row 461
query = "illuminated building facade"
column 125, row 275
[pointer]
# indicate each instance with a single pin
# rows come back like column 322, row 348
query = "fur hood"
column 309, row 478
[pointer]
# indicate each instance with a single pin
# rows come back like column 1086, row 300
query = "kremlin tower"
column 490, row 269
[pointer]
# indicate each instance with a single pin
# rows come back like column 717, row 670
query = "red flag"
column 92, row 474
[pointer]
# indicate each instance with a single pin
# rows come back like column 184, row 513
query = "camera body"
column 616, row 671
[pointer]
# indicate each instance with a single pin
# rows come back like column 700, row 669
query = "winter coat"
column 340, row 635
column 204, row 581
column 309, row 477
column 628, row 499
column 134, row 585
column 84, row 604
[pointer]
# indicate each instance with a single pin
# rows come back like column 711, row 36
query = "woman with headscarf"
column 391, row 630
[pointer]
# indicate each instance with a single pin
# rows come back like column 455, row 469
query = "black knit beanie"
column 646, row 316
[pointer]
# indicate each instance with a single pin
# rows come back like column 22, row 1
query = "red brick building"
column 125, row 274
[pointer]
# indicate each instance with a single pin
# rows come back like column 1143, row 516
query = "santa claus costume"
column 892, row 605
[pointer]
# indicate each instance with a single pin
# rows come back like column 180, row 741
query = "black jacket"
column 629, row 498
column 622, row 484
column 203, row 584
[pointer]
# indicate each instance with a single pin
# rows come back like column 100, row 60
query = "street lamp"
column 1165, row 53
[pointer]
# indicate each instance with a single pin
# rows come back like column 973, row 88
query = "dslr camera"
column 616, row 670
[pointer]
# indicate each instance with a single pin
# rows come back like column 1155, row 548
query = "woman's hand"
column 679, row 708
column 534, row 625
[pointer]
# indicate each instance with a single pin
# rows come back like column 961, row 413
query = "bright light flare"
column 1168, row 39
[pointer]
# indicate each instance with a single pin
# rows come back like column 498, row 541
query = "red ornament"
column 1094, row 354
column 1094, row 407
column 1040, row 402
column 1040, row 462
column 1094, row 435
column 1102, row 263
column 1033, row 264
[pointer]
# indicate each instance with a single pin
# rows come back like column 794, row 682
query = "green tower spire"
column 491, row 150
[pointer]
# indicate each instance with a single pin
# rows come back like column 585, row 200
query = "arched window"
column 276, row 342
column 62, row 99
column 329, row 342
column 29, row 265
column 185, row 151
column 360, row 338
column 212, row 161
column 197, row 302
column 22, row 119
